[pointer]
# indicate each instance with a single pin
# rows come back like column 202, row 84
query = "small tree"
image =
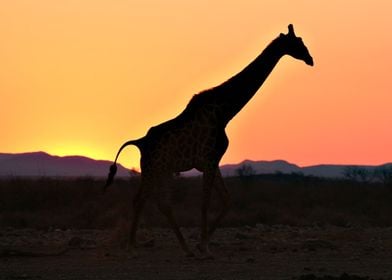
column 384, row 175
column 357, row 174
column 245, row 170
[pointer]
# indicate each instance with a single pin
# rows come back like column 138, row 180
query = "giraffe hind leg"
column 224, row 196
column 208, row 181
column 163, row 202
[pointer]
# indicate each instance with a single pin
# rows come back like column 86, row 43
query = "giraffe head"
column 295, row 47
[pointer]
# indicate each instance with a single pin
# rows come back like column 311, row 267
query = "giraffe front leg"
column 225, row 199
column 167, row 211
column 208, row 181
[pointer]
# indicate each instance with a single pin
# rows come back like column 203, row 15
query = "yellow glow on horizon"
column 75, row 150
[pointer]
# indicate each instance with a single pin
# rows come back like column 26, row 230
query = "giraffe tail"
column 113, row 167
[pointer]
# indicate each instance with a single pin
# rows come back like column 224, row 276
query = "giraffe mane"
column 201, row 99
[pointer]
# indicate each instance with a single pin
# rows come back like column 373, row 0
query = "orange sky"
column 82, row 77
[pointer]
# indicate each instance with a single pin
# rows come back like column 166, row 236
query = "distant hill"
column 261, row 167
column 281, row 166
column 42, row 164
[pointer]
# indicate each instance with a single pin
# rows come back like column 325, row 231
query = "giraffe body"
column 163, row 147
column 196, row 138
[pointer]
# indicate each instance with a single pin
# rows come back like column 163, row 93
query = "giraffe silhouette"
column 196, row 138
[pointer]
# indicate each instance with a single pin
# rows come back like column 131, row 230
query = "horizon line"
column 220, row 165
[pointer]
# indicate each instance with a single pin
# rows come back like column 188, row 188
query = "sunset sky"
column 83, row 76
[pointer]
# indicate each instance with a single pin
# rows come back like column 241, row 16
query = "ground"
column 258, row 252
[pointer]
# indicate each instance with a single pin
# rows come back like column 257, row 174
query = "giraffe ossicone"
column 196, row 138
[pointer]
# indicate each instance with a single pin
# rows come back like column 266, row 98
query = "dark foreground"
column 260, row 252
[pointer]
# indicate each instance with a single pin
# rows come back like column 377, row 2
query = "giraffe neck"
column 238, row 90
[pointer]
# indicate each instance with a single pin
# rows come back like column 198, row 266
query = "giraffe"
column 196, row 138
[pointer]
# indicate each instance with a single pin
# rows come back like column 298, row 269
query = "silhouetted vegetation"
column 384, row 175
column 381, row 174
column 245, row 171
column 292, row 199
column 358, row 174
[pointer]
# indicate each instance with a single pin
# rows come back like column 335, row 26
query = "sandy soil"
column 261, row 252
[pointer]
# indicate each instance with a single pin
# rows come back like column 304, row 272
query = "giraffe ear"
column 291, row 30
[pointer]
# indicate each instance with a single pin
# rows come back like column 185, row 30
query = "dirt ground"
column 260, row 252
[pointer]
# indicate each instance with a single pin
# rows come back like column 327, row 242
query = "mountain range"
column 282, row 166
column 41, row 164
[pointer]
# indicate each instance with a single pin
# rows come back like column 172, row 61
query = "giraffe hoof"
column 132, row 254
column 189, row 254
column 205, row 253
column 206, row 256
column 149, row 243
column 202, row 249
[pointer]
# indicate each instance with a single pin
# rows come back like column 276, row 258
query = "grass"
column 266, row 199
